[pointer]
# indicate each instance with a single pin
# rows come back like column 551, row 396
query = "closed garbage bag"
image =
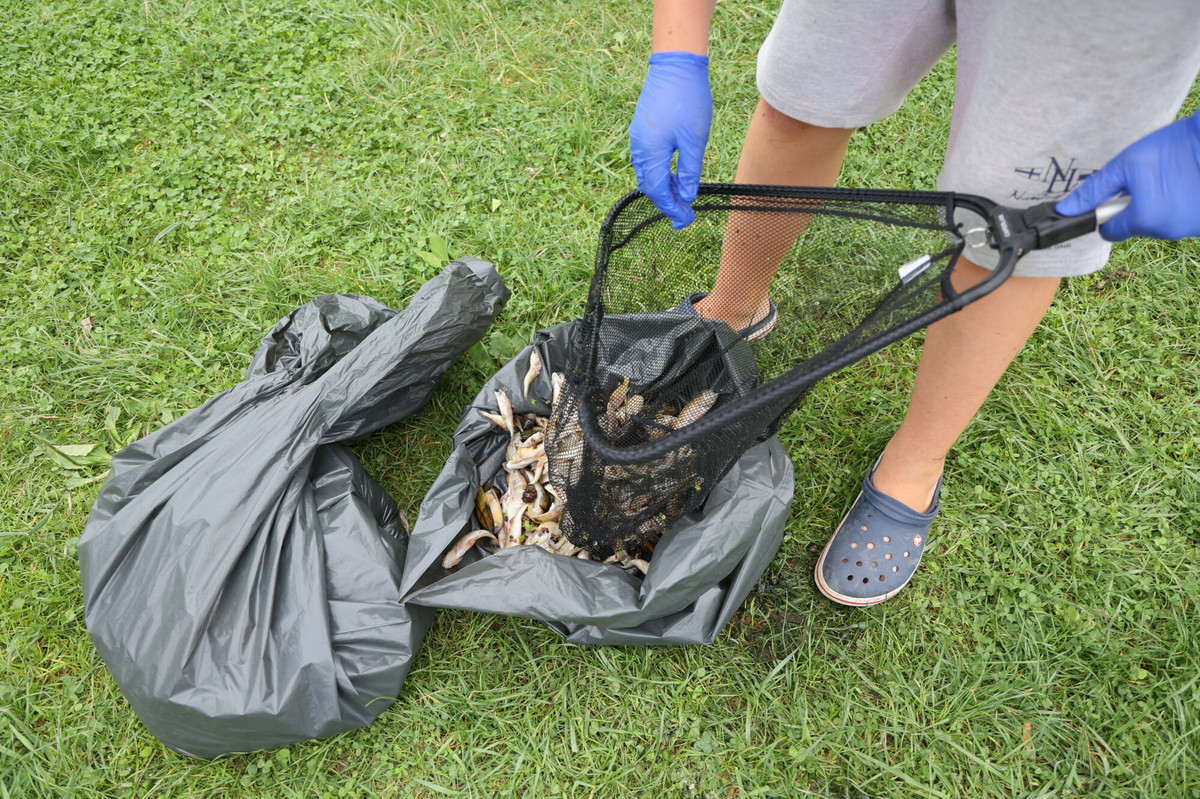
column 701, row 571
column 241, row 572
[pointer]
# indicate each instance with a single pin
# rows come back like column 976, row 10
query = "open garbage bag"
column 701, row 571
column 241, row 572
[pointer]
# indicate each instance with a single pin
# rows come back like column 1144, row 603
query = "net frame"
column 796, row 381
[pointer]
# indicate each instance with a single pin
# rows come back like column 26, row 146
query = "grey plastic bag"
column 702, row 569
column 240, row 569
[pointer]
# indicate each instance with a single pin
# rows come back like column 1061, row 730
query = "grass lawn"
column 176, row 175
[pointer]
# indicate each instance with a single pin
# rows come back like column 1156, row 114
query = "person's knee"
column 790, row 127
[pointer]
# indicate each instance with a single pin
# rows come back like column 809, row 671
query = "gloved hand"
column 1160, row 173
column 674, row 113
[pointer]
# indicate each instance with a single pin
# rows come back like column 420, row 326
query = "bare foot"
column 912, row 484
column 734, row 314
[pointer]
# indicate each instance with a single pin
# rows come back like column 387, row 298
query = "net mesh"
column 660, row 402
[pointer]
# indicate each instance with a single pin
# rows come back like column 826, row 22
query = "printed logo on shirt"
column 1049, row 181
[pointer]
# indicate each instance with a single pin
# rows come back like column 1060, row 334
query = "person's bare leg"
column 964, row 354
column 778, row 150
column 963, row 358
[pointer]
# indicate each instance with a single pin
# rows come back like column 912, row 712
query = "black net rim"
column 798, row 379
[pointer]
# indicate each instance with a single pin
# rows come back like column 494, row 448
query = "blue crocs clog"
column 875, row 550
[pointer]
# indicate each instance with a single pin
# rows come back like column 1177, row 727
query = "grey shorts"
column 1045, row 92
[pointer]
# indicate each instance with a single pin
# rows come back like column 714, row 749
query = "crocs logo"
column 916, row 540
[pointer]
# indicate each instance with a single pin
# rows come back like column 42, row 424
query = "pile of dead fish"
column 530, row 510
column 626, row 508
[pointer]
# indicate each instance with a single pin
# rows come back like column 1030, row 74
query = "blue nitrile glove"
column 1160, row 173
column 674, row 113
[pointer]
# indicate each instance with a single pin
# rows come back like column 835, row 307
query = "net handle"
column 1041, row 226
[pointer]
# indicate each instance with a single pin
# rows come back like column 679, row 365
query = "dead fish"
column 521, row 464
column 563, row 545
column 494, row 419
column 512, row 533
column 523, row 457
column 539, row 538
column 651, row 530
column 529, row 453
column 516, row 488
column 504, row 404
column 553, row 514
column 556, row 383
column 699, row 406
column 636, row 563
column 488, row 509
column 456, row 553
column 482, row 511
column 535, row 368
column 637, row 504
column 617, row 399
column 633, row 405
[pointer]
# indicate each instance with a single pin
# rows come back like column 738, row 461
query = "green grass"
column 184, row 173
